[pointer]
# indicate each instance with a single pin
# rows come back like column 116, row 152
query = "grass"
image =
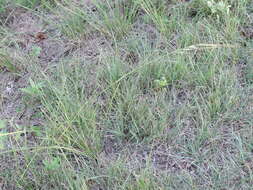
column 147, row 95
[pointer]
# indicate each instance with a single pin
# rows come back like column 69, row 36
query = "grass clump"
column 73, row 123
column 114, row 18
column 156, row 11
column 146, row 95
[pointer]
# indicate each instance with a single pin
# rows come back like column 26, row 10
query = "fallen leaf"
column 40, row 36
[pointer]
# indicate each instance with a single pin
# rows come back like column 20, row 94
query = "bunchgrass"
column 164, row 103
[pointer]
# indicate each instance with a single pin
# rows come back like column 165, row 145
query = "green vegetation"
column 129, row 94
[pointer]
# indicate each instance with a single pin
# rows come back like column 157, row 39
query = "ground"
column 130, row 94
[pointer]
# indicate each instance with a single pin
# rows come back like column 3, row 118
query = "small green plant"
column 36, row 50
column 161, row 83
column 34, row 90
column 52, row 164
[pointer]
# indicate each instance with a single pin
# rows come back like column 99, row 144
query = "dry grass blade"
column 208, row 46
